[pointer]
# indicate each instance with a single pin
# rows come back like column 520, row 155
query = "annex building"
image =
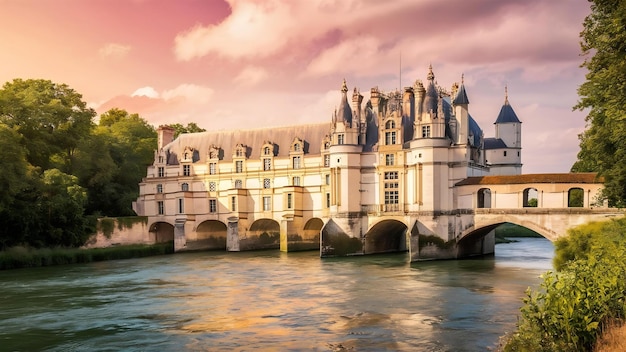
column 356, row 184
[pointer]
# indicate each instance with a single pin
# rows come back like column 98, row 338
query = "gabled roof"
column 494, row 143
column 582, row 177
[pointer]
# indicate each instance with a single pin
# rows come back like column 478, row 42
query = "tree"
column 14, row 166
column 114, row 160
column 52, row 118
column 191, row 127
column 603, row 143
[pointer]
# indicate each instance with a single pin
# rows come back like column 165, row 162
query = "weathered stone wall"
column 121, row 231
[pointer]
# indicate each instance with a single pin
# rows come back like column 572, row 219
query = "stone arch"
column 575, row 197
column 262, row 234
column 388, row 235
column 210, row 234
column 483, row 198
column 161, row 231
column 528, row 196
column 475, row 240
column 312, row 229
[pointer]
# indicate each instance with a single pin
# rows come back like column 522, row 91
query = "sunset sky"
column 228, row 64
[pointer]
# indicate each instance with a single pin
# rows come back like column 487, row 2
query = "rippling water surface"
column 216, row 301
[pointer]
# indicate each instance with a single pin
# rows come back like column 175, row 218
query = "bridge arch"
column 484, row 228
column 267, row 231
column 212, row 233
column 161, row 231
column 312, row 229
column 388, row 235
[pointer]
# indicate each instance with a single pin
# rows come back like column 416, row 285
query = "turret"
column 344, row 128
column 461, row 113
column 508, row 126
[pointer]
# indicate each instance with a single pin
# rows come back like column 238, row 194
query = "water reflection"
column 270, row 300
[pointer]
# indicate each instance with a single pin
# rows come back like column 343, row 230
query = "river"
column 259, row 301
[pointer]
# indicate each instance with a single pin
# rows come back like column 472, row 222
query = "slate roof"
column 461, row 96
column 582, row 177
column 494, row 143
column 507, row 115
column 253, row 139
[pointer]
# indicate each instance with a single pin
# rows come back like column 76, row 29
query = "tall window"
column 296, row 162
column 267, row 203
column 267, row 183
column 327, row 160
column 391, row 191
column 184, row 187
column 212, row 205
column 327, row 200
column 181, row 205
column 289, row 201
column 160, row 208
column 212, row 168
column 296, row 180
column 233, row 203
column 327, row 177
column 389, row 159
column 505, row 153
column 340, row 139
column 212, row 186
column 390, row 137
column 267, row 164
column 239, row 166
column 159, row 188
column 238, row 184
column 160, row 159
column 425, row 131
column 161, row 172
column 186, row 170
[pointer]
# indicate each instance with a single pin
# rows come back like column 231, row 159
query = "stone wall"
column 121, row 231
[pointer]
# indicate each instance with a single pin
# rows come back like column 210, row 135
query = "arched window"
column 530, row 199
column 296, row 147
column 184, row 187
column 266, row 151
column 484, row 198
column 390, row 124
column 576, row 198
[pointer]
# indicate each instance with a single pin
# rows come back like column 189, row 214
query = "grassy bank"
column 22, row 257
column 506, row 231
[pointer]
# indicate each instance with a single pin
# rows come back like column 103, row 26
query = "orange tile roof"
column 583, row 177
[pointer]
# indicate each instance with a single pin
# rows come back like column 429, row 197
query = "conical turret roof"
column 344, row 112
column 507, row 115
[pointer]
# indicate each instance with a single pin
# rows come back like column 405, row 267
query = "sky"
column 231, row 64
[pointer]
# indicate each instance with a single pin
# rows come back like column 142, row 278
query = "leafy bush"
column 573, row 305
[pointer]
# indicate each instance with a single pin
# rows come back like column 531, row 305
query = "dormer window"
column 214, row 152
column 390, row 124
column 188, row 155
column 240, row 151
column 297, row 146
column 266, row 151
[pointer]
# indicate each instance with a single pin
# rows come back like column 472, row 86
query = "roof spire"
column 431, row 75
column 344, row 86
column 462, row 78
column 506, row 94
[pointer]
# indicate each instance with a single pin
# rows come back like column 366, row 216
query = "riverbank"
column 24, row 257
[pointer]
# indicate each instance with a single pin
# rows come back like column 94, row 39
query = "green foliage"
column 191, row 127
column 576, row 198
column 25, row 257
column 603, row 143
column 570, row 309
column 14, row 166
column 532, row 202
column 51, row 118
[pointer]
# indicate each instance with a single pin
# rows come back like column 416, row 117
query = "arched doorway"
column 386, row 236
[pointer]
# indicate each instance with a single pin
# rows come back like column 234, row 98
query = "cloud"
column 190, row 92
column 146, row 92
column 251, row 76
column 114, row 50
